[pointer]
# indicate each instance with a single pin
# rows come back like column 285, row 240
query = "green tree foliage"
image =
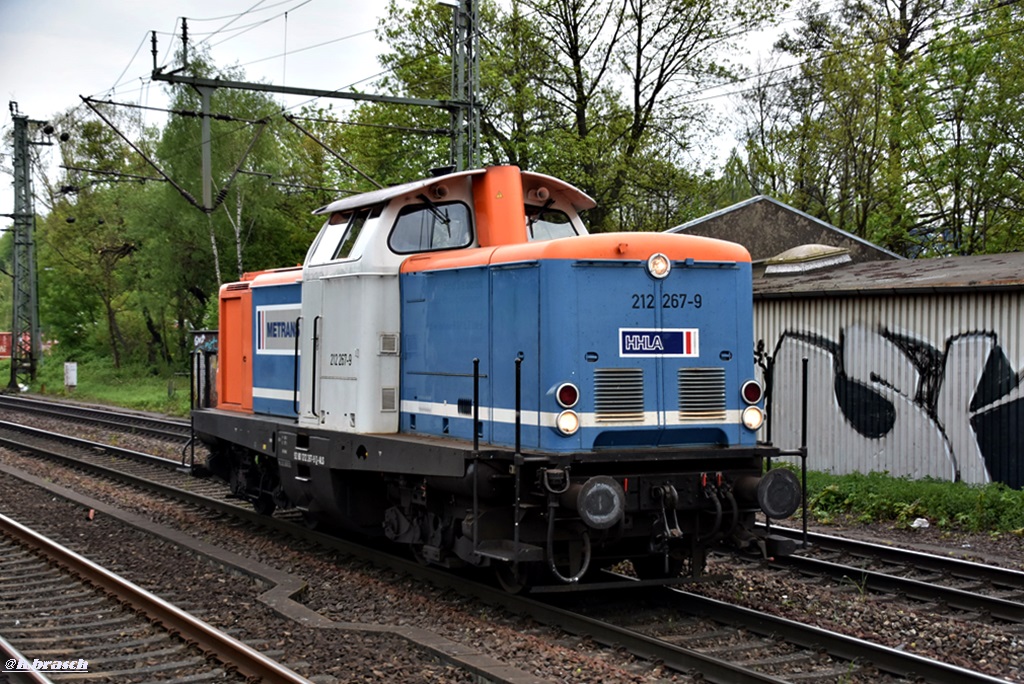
column 85, row 245
column 131, row 267
column 591, row 91
column 901, row 125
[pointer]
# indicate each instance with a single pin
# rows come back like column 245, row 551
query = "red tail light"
column 567, row 395
column 752, row 392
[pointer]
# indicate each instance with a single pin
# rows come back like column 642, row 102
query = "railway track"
column 161, row 428
column 66, row 616
column 769, row 650
column 988, row 591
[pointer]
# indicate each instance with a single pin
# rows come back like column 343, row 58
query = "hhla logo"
column 643, row 343
column 675, row 342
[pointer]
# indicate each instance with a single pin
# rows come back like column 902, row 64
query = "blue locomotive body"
column 658, row 363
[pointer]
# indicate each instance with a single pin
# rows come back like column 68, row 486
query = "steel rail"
column 97, row 447
column 9, row 653
column 150, row 425
column 713, row 669
column 1003, row 609
column 227, row 649
column 957, row 567
column 676, row 657
column 849, row 648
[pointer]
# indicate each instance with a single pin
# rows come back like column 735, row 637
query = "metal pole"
column 519, row 399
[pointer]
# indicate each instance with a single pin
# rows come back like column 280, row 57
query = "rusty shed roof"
column 917, row 276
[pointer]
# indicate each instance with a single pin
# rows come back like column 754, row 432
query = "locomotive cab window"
column 544, row 223
column 430, row 227
column 339, row 236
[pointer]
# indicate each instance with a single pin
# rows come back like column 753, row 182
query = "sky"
column 53, row 51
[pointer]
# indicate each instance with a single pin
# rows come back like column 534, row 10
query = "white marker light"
column 659, row 266
column 567, row 423
column 753, row 417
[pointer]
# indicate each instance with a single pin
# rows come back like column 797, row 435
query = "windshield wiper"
column 441, row 216
column 533, row 219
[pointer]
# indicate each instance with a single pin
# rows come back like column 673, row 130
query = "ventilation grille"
column 701, row 395
column 389, row 343
column 618, row 395
column 237, row 286
column 389, row 399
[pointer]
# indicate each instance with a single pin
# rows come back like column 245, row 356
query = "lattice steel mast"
column 465, row 120
column 26, row 345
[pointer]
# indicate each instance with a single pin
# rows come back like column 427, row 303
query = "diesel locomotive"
column 458, row 366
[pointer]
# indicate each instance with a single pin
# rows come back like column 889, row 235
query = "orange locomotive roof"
column 599, row 247
column 278, row 276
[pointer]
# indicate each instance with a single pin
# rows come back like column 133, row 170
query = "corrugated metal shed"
column 915, row 367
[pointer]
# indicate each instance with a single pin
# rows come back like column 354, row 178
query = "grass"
column 99, row 382
column 879, row 497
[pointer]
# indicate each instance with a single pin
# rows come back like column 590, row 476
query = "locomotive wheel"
column 654, row 567
column 529, row 574
column 417, row 554
column 264, row 504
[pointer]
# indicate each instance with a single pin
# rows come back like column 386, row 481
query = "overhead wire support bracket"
column 463, row 108
column 290, row 119
column 182, row 191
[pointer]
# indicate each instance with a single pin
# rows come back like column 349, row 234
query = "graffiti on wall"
column 880, row 400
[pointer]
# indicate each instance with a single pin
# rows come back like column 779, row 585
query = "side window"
column 430, row 227
column 340, row 233
column 356, row 222
column 547, row 224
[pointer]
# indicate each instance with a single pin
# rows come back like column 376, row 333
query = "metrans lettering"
column 277, row 326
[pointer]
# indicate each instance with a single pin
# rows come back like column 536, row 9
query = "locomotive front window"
column 431, row 227
column 544, row 223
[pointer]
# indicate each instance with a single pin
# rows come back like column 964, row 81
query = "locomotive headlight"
column 753, row 417
column 659, row 266
column 567, row 423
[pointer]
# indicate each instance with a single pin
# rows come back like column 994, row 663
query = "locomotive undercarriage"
column 560, row 526
column 536, row 519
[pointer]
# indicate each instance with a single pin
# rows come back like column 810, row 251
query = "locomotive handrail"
column 800, row 452
column 518, row 461
column 312, row 391
column 476, row 454
column 295, row 369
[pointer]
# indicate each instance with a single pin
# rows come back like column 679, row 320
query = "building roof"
column 767, row 227
column 983, row 272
